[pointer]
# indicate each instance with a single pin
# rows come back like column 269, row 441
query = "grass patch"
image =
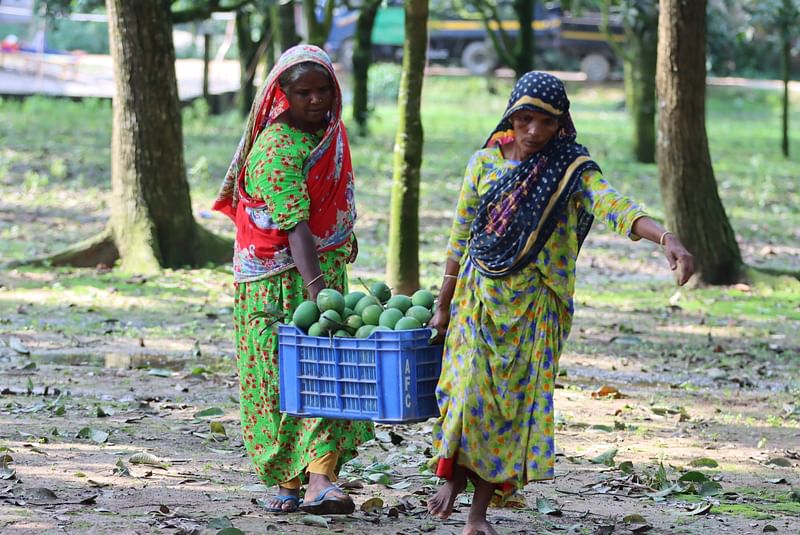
column 55, row 191
column 761, row 304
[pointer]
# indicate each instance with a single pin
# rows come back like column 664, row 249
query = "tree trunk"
column 250, row 52
column 362, row 59
column 151, row 212
column 284, row 30
column 786, row 64
column 318, row 31
column 207, row 69
column 524, row 49
column 641, row 46
column 402, row 267
column 694, row 209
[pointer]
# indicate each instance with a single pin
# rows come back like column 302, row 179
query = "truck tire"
column 479, row 58
column 596, row 67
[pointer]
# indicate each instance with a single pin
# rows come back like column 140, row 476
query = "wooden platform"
column 62, row 66
column 92, row 76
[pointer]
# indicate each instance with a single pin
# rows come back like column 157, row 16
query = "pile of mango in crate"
column 359, row 314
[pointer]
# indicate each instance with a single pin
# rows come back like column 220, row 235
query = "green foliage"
column 90, row 37
column 744, row 36
column 756, row 185
column 384, row 82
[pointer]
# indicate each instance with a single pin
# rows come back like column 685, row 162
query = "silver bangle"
column 315, row 279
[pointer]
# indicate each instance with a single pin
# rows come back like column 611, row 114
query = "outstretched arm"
column 624, row 217
column 678, row 257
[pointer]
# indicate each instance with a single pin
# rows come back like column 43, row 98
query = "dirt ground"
column 101, row 432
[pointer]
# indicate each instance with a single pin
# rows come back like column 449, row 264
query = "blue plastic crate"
column 389, row 377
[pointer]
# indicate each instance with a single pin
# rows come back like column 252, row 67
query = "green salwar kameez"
column 282, row 446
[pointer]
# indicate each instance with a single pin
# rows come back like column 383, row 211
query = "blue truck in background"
column 458, row 36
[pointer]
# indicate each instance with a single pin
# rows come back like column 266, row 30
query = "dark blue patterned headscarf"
column 519, row 212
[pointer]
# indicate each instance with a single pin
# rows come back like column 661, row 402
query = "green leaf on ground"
column 103, row 413
column 17, row 345
column 230, row 531
column 626, row 467
column 606, row 458
column 544, row 506
column 701, row 509
column 704, row 462
column 379, row 477
column 661, row 480
column 780, row 461
column 209, row 412
column 121, row 469
column 95, row 435
column 315, row 520
column 693, row 477
column 220, row 522
column 6, row 472
column 709, row 488
column 217, row 428
column 634, row 519
column 663, row 493
column 372, row 505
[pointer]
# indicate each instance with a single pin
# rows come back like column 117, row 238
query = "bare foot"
column 441, row 504
column 476, row 520
column 478, row 527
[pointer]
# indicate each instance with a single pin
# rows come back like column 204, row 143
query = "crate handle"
column 379, row 378
column 338, row 380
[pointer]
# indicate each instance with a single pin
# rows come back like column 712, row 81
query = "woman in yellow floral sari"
column 526, row 204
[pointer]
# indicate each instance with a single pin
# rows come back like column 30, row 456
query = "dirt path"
column 716, row 404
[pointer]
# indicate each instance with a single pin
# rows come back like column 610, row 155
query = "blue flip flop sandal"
column 329, row 505
column 284, row 499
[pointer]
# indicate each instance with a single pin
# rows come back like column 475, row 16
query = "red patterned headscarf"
column 261, row 251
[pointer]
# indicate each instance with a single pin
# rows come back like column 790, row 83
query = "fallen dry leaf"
column 607, row 391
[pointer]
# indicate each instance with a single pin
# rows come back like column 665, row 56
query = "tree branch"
column 502, row 42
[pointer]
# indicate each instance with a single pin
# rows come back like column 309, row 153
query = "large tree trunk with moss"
column 151, row 214
column 641, row 46
column 402, row 266
column 524, row 50
column 362, row 59
column 694, row 209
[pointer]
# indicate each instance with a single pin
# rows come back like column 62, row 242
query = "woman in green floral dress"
column 290, row 192
column 526, row 204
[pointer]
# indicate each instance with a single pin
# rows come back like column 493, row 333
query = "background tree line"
column 152, row 225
